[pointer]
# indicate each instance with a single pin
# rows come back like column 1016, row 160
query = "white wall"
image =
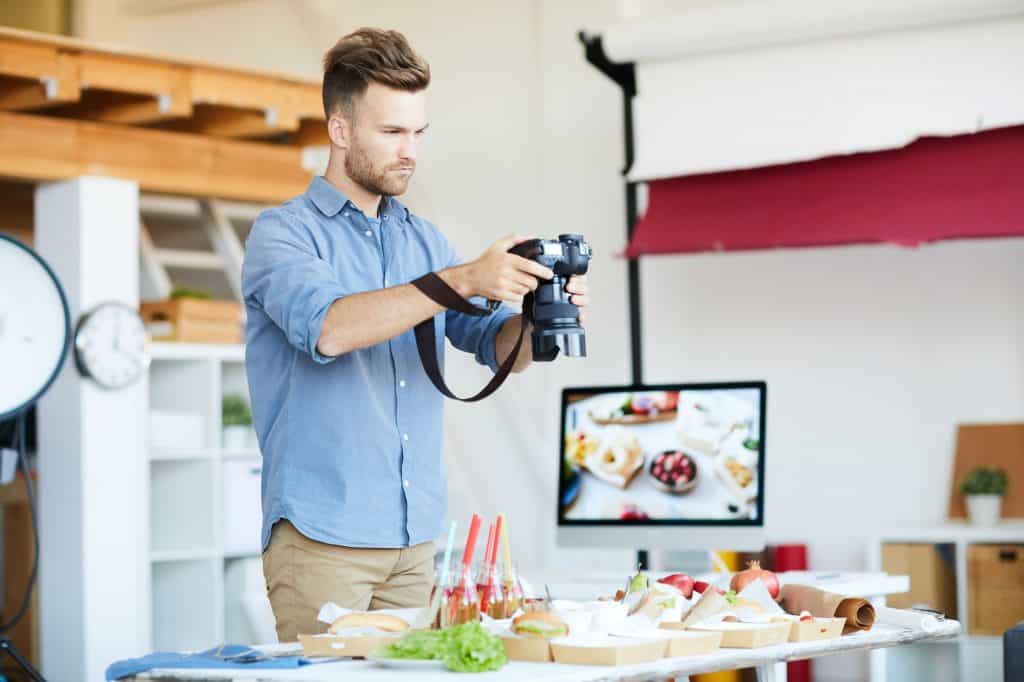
column 872, row 354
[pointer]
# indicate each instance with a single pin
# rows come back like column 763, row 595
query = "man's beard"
column 361, row 170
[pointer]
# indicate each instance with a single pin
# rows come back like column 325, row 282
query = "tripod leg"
column 6, row 645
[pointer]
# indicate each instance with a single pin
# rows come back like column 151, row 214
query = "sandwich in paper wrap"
column 752, row 605
column 858, row 612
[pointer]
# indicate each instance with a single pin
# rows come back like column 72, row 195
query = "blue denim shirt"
column 351, row 444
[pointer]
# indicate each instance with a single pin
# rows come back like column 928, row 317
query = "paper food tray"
column 748, row 635
column 679, row 642
column 529, row 649
column 339, row 646
column 607, row 651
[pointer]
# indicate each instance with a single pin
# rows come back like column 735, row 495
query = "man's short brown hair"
column 370, row 54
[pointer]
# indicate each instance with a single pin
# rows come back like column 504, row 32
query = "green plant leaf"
column 985, row 481
column 235, row 411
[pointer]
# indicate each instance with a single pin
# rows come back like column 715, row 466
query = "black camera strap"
column 437, row 290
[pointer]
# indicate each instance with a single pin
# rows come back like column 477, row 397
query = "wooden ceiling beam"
column 140, row 112
column 226, row 121
column 37, row 83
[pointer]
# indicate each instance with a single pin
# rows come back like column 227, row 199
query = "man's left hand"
column 577, row 288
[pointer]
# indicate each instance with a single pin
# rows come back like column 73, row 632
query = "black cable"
column 20, row 446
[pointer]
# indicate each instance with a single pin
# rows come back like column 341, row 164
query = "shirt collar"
column 330, row 200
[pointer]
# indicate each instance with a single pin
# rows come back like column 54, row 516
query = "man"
column 348, row 421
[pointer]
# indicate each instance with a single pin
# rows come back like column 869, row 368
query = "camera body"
column 556, row 324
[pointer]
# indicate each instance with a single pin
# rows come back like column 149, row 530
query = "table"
column 767, row 660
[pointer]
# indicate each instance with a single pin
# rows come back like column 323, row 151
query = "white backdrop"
column 742, row 85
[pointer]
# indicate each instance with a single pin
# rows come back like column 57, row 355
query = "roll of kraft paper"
column 858, row 612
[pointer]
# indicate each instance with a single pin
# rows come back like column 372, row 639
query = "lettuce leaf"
column 419, row 644
column 472, row 649
column 467, row 648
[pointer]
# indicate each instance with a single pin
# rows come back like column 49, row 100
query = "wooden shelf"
column 78, row 80
column 68, row 108
column 40, row 148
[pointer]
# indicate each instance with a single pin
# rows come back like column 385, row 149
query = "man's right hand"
column 498, row 275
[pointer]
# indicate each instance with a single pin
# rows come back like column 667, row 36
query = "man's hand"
column 498, row 275
column 577, row 288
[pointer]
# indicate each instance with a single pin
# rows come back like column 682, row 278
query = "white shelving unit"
column 971, row 656
column 204, row 557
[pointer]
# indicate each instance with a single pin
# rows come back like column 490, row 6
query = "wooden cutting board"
column 989, row 445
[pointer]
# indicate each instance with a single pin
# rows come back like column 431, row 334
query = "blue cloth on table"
column 226, row 656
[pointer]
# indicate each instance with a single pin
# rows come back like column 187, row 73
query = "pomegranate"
column 753, row 572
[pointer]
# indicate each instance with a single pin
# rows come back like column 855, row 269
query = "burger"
column 540, row 624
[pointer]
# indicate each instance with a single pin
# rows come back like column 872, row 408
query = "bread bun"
column 540, row 624
column 381, row 621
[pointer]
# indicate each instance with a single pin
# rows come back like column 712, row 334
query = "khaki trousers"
column 303, row 574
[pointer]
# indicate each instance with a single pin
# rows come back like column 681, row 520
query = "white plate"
column 406, row 663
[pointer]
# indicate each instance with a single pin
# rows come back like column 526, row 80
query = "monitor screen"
column 681, row 454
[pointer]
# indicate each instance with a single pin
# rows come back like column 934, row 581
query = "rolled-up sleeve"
column 476, row 335
column 283, row 276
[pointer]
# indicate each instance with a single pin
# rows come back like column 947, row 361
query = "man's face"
column 381, row 153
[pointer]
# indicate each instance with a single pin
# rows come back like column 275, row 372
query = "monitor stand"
column 692, row 561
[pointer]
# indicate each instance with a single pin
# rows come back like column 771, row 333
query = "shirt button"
column 369, row 233
column 405, row 484
column 405, row 436
column 402, row 383
column 385, row 217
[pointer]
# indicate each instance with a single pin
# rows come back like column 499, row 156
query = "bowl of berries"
column 673, row 471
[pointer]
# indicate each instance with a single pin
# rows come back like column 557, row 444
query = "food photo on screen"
column 667, row 454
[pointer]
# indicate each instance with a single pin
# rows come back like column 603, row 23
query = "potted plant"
column 984, row 489
column 236, row 422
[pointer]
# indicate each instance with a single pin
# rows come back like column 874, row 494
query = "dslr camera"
column 556, row 321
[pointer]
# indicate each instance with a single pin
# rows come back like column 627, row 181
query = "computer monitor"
column 675, row 466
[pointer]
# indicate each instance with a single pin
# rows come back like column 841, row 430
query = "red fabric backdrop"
column 935, row 188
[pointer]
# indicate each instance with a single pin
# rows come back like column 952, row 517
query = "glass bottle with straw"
column 511, row 588
column 442, row 585
column 462, row 605
column 487, row 584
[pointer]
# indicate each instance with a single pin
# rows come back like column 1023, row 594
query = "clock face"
column 111, row 346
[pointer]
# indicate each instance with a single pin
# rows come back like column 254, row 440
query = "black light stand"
column 625, row 76
column 6, row 645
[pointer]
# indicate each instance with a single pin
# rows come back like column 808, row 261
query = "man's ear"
column 339, row 130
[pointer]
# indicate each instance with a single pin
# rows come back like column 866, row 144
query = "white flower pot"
column 984, row 510
column 235, row 437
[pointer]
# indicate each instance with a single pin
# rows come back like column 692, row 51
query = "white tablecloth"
column 725, row 659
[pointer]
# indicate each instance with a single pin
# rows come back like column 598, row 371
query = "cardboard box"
column 529, row 649
column 691, row 642
column 609, row 652
column 335, row 646
column 995, row 586
column 999, row 446
column 193, row 320
column 932, row 575
column 816, row 629
column 748, row 635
